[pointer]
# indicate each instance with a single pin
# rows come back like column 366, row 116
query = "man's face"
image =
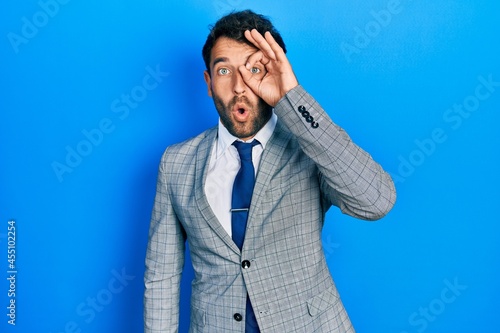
column 241, row 111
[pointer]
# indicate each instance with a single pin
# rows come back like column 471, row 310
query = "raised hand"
column 278, row 78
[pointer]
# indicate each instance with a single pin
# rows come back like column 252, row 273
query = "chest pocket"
column 321, row 302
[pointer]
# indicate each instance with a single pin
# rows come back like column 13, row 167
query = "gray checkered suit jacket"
column 303, row 171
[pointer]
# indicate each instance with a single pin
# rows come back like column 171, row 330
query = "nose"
column 239, row 86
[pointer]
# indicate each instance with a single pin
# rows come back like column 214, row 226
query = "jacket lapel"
column 267, row 168
column 202, row 164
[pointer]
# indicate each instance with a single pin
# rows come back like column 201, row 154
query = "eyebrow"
column 220, row 59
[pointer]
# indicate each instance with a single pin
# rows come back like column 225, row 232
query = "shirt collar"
column 226, row 139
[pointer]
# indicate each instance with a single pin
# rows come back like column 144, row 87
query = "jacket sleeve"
column 349, row 177
column 164, row 261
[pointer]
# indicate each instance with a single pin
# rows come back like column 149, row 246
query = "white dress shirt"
column 224, row 165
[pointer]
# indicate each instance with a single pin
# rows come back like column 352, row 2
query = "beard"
column 259, row 116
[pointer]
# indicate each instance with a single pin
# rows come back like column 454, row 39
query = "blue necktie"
column 240, row 204
column 242, row 191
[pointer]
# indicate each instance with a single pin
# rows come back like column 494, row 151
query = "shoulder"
column 187, row 149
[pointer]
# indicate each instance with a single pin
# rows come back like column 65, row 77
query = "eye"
column 223, row 71
column 255, row 70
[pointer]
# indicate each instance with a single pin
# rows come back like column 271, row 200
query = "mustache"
column 238, row 99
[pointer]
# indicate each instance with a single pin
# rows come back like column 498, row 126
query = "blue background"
column 392, row 81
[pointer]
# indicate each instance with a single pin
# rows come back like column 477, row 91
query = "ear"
column 208, row 81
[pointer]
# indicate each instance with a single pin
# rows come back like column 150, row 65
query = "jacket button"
column 245, row 264
column 301, row 108
column 238, row 317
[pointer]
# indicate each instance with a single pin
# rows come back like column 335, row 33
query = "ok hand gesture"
column 279, row 77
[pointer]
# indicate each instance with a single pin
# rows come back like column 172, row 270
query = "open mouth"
column 240, row 111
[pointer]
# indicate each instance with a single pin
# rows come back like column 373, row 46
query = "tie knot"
column 245, row 149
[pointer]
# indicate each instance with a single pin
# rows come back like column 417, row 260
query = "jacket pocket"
column 197, row 318
column 319, row 303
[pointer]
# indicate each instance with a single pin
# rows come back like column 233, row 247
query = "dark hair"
column 233, row 26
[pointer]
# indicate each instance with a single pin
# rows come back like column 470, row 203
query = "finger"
column 277, row 49
column 249, row 37
column 261, row 43
column 249, row 79
column 255, row 58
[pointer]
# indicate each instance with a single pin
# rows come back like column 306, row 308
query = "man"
column 253, row 216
